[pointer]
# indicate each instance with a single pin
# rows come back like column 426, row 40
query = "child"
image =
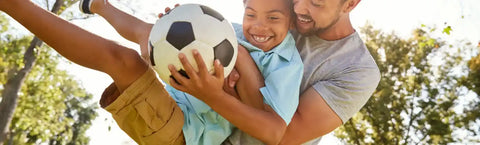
column 265, row 27
column 137, row 99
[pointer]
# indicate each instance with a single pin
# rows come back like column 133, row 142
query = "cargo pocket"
column 163, row 118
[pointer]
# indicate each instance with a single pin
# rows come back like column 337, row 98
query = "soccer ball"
column 188, row 27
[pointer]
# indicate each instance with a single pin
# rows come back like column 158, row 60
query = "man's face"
column 315, row 16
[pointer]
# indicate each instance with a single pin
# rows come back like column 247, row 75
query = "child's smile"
column 261, row 39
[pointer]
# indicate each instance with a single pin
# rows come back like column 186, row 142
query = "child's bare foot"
column 92, row 6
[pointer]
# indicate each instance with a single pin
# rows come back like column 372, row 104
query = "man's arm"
column 328, row 103
column 82, row 47
column 314, row 118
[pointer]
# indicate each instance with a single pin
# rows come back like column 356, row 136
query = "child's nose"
column 260, row 24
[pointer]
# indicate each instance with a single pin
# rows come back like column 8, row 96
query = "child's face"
column 266, row 22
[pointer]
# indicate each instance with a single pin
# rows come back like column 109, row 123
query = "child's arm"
column 248, row 87
column 266, row 126
column 82, row 47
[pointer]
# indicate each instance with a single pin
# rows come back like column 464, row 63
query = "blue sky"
column 400, row 16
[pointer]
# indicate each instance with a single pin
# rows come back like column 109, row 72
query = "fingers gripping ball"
column 188, row 27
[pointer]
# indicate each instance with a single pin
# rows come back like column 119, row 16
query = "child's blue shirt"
column 282, row 69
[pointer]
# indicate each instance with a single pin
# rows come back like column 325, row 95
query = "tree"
column 421, row 95
column 52, row 107
column 472, row 81
column 50, row 103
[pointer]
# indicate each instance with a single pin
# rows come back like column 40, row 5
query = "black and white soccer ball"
column 188, row 27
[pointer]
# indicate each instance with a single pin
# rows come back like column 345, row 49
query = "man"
column 339, row 73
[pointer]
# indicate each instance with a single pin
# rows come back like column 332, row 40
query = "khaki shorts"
column 145, row 111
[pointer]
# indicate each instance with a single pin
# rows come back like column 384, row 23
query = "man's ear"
column 349, row 5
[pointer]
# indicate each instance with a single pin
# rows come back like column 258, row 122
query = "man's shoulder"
column 320, row 47
column 351, row 46
column 334, row 58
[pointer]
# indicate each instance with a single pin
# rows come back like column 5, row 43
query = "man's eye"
column 316, row 3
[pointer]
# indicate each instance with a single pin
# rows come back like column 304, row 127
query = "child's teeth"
column 260, row 39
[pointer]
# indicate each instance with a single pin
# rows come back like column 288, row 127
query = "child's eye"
column 273, row 18
column 250, row 15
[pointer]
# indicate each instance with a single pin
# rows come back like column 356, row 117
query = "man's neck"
column 340, row 30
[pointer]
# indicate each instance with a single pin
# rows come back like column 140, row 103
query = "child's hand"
column 166, row 10
column 201, row 84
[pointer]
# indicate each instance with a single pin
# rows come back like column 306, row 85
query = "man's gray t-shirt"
column 343, row 72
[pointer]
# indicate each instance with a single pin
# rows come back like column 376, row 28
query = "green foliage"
column 66, row 4
column 418, row 94
column 3, row 23
column 447, row 30
column 11, row 56
column 473, row 79
column 52, row 106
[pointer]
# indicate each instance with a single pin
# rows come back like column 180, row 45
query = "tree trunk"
column 13, row 85
column 10, row 141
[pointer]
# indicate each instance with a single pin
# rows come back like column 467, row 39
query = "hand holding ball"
column 188, row 27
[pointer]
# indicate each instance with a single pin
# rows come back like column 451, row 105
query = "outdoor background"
column 427, row 51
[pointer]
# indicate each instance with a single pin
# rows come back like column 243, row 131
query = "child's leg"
column 82, row 47
column 146, row 112
column 128, row 26
column 124, row 65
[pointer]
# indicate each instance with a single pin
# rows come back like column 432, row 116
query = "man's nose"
column 300, row 7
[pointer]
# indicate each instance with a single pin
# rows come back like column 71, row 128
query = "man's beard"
column 318, row 30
